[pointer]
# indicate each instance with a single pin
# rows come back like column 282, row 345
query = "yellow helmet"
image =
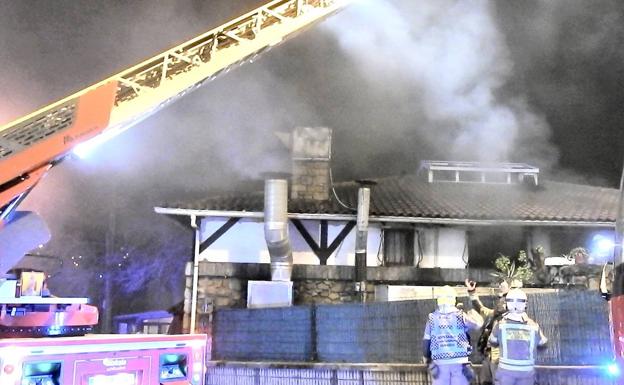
column 445, row 296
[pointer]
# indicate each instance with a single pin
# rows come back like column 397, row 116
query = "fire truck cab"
column 72, row 356
column 104, row 360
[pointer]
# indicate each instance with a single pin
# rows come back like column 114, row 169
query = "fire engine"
column 100, row 359
column 31, row 145
column 612, row 289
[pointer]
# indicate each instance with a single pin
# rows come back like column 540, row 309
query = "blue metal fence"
column 576, row 323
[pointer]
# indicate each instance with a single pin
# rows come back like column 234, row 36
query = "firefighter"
column 445, row 344
column 490, row 316
column 518, row 337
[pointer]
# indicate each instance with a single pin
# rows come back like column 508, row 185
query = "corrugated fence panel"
column 376, row 332
column 575, row 322
column 282, row 334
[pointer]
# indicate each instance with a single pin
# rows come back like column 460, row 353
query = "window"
column 562, row 240
column 486, row 243
column 398, row 247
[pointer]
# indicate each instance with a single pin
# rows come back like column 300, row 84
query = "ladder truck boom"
column 31, row 145
column 124, row 99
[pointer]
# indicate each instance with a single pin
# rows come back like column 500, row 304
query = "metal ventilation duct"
column 361, row 238
column 276, row 228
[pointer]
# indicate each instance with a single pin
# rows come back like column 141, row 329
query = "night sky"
column 539, row 82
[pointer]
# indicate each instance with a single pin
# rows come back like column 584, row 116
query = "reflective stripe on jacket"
column 518, row 343
column 447, row 332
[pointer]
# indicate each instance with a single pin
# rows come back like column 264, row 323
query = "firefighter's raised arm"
column 475, row 301
column 473, row 320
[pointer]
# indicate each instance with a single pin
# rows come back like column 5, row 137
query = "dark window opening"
column 485, row 244
column 398, row 247
column 562, row 240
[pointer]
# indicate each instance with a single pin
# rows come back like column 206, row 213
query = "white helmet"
column 516, row 301
column 445, row 296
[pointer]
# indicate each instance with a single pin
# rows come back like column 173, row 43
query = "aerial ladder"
column 31, row 145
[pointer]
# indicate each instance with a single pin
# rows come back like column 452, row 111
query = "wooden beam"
column 217, row 234
column 341, row 236
column 306, row 235
column 323, row 252
column 323, row 233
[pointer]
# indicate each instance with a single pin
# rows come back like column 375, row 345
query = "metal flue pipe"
column 361, row 239
column 276, row 227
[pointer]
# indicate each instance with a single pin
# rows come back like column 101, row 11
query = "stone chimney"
column 311, row 155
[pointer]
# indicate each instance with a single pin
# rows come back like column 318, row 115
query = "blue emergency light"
column 613, row 370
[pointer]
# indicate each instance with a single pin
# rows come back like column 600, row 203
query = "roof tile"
column 411, row 196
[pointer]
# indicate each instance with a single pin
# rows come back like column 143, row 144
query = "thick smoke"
column 568, row 60
column 455, row 56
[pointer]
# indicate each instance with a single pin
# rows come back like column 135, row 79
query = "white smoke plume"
column 454, row 55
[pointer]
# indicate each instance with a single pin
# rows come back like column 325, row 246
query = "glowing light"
column 602, row 246
column 84, row 149
column 54, row 330
column 613, row 369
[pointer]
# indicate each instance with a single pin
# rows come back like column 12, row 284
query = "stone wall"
column 222, row 291
column 311, row 153
column 323, row 292
column 224, row 285
column 310, row 180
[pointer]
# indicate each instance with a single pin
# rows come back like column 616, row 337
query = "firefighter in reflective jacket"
column 518, row 338
column 445, row 344
column 490, row 318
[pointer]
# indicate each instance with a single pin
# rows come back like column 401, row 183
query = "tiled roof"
column 412, row 197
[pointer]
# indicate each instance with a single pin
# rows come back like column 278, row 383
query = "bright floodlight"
column 602, row 244
column 84, row 149
column 613, row 369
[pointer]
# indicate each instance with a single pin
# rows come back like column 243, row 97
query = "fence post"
column 313, row 334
